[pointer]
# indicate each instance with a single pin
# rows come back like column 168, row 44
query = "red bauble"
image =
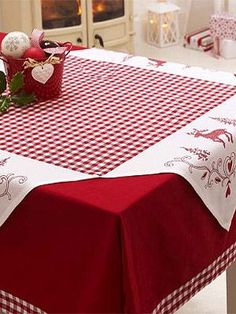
column 34, row 53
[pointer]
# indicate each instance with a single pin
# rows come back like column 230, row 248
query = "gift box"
column 199, row 40
column 227, row 48
column 223, row 31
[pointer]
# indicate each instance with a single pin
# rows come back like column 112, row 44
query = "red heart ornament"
column 42, row 73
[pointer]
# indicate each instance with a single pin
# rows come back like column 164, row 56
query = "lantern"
column 163, row 25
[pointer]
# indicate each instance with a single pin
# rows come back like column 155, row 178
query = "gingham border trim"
column 181, row 295
column 9, row 304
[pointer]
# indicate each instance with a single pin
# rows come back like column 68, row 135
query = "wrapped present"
column 227, row 48
column 223, row 26
column 199, row 40
column 223, row 31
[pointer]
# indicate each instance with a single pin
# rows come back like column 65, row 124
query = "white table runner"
column 203, row 152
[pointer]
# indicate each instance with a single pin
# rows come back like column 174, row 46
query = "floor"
column 212, row 299
column 187, row 56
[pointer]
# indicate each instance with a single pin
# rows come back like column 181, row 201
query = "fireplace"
column 66, row 13
column 60, row 13
column 84, row 22
column 104, row 10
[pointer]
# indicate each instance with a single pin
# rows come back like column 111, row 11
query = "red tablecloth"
column 112, row 245
column 68, row 247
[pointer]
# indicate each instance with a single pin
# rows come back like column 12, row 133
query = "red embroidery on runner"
column 213, row 135
column 3, row 161
column 225, row 120
column 5, row 181
column 202, row 154
column 219, row 172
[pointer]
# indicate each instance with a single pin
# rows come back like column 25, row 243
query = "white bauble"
column 14, row 44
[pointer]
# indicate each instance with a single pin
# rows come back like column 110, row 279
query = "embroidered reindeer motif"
column 213, row 135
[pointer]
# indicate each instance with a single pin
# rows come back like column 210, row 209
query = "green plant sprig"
column 17, row 95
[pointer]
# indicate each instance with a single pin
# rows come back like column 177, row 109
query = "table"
column 113, row 245
column 46, row 260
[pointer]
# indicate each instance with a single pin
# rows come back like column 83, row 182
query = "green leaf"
column 23, row 98
column 5, row 102
column 16, row 82
column 3, row 82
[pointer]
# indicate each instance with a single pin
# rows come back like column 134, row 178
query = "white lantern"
column 163, row 25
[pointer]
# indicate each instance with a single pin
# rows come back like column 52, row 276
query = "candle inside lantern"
column 162, row 27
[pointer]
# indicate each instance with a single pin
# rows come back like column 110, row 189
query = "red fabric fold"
column 108, row 245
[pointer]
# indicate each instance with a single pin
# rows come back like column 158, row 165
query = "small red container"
column 43, row 91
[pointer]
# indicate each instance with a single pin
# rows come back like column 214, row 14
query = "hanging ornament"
column 42, row 73
column 34, row 53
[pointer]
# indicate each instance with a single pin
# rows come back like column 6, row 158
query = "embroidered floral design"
column 213, row 135
column 5, row 181
column 202, row 154
column 219, row 172
column 225, row 120
column 3, row 161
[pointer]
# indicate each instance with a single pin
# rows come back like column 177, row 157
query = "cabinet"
column 85, row 22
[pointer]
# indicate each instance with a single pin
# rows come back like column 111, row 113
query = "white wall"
column 140, row 9
column 200, row 13
column 232, row 6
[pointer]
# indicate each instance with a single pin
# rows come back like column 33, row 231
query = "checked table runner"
column 107, row 114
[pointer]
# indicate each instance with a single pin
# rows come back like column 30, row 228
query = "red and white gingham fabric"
column 9, row 304
column 177, row 298
column 107, row 114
